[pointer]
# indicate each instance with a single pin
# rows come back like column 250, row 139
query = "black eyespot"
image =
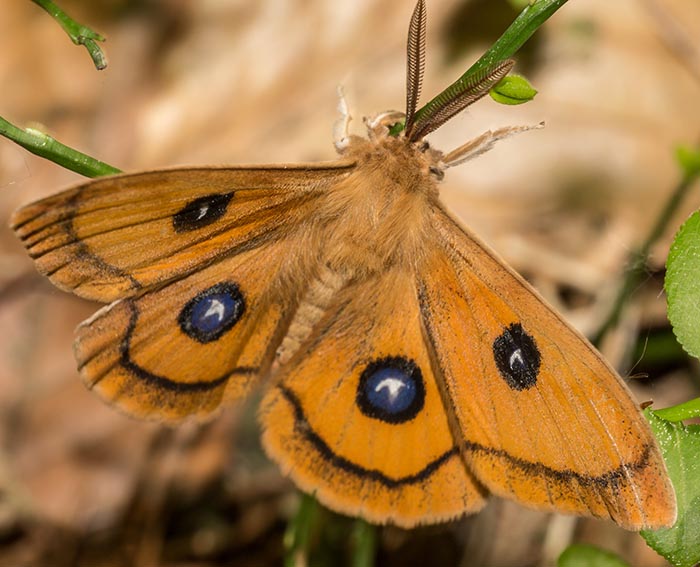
column 212, row 312
column 391, row 390
column 201, row 212
column 517, row 357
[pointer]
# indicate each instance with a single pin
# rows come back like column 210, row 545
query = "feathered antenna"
column 415, row 50
column 457, row 98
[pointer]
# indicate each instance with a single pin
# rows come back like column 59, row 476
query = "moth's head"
column 385, row 132
column 415, row 124
column 388, row 129
column 406, row 131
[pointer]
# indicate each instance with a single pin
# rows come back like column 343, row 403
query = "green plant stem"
column 522, row 28
column 47, row 147
column 638, row 260
column 364, row 537
column 78, row 33
column 300, row 530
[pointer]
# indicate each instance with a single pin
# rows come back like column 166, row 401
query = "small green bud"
column 513, row 89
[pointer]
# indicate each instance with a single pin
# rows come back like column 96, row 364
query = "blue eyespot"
column 212, row 312
column 391, row 390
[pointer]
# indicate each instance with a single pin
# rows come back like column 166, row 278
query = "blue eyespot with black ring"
column 212, row 312
column 391, row 390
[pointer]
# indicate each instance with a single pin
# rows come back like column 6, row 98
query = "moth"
column 409, row 372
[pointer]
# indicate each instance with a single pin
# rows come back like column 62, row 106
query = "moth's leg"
column 483, row 144
column 341, row 128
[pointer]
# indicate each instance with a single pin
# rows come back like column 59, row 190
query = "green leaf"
column 686, row 410
column 683, row 285
column 689, row 160
column 520, row 4
column 513, row 89
column 680, row 445
column 582, row 555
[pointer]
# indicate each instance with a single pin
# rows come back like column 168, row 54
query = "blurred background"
column 241, row 81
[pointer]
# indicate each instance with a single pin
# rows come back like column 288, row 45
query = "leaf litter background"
column 226, row 81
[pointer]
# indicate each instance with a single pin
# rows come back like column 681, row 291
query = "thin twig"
column 677, row 39
column 47, row 147
column 78, row 33
column 638, row 259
